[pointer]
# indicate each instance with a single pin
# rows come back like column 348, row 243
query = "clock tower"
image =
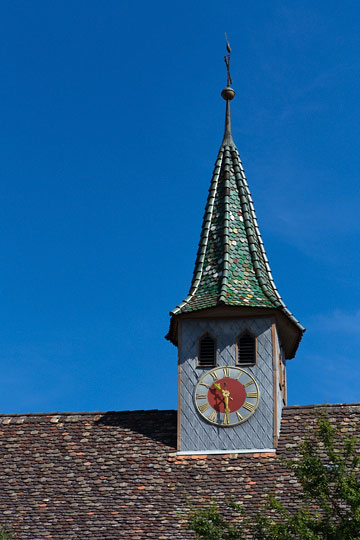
column 233, row 331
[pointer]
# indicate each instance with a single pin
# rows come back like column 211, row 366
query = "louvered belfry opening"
column 246, row 349
column 207, row 351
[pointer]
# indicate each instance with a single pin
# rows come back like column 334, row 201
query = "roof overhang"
column 289, row 333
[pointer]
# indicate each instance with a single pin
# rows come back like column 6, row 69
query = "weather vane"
column 227, row 60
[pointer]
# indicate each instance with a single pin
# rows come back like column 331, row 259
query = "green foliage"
column 329, row 507
column 208, row 523
column 5, row 533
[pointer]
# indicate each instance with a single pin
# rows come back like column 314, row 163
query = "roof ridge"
column 247, row 205
column 204, row 237
column 242, row 175
column 84, row 413
column 226, row 237
column 318, row 405
column 287, row 408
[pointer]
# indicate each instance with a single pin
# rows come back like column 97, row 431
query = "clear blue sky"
column 111, row 119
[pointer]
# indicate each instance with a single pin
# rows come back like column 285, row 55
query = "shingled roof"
column 116, row 475
column 231, row 266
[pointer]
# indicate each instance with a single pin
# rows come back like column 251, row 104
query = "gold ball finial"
column 228, row 93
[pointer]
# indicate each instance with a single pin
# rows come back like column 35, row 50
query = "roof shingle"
column 116, row 475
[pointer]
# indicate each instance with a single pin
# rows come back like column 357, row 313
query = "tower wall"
column 260, row 430
column 279, row 396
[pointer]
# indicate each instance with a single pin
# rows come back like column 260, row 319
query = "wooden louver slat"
column 246, row 349
column 207, row 352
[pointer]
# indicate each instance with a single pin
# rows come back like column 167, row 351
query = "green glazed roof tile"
column 231, row 266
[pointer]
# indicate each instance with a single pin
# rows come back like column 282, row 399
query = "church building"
column 233, row 331
column 131, row 475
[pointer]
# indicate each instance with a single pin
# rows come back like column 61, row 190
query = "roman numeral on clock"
column 226, row 419
column 204, row 407
column 212, row 417
column 200, row 396
column 249, row 383
column 251, row 394
column 204, row 384
column 214, row 375
column 239, row 416
column 249, row 406
column 226, row 371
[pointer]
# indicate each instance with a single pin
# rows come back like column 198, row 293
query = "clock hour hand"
column 224, row 392
column 226, row 396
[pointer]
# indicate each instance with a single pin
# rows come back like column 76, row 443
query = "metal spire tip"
column 228, row 93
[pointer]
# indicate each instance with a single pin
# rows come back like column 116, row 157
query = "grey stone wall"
column 255, row 433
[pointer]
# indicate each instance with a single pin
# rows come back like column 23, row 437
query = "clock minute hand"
column 226, row 396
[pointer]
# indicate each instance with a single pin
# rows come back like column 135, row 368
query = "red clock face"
column 226, row 396
column 237, row 395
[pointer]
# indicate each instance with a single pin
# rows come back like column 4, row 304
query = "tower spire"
column 228, row 94
column 231, row 267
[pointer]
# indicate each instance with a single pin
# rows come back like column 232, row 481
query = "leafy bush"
column 329, row 507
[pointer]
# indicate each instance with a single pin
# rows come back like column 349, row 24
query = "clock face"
column 226, row 396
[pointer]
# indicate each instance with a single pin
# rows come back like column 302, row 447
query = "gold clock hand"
column 226, row 401
column 218, row 387
column 226, row 396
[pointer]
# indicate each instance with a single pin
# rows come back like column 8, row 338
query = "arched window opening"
column 207, row 351
column 246, row 349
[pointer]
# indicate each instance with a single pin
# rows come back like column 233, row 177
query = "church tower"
column 233, row 331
